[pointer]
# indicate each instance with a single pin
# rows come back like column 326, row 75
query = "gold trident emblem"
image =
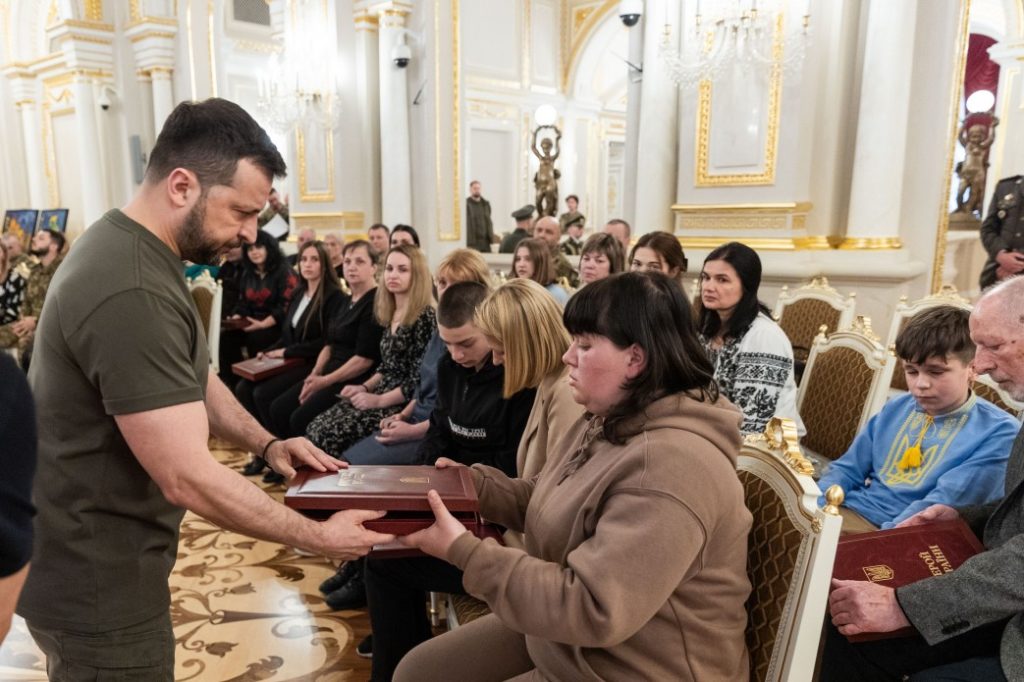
column 880, row 573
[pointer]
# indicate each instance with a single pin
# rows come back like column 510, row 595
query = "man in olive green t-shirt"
column 126, row 403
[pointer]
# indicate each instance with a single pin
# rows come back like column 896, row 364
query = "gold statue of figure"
column 976, row 141
column 545, row 180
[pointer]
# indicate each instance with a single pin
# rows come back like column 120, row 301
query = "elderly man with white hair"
column 970, row 621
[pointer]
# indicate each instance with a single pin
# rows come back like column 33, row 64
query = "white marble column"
column 89, row 154
column 1007, row 154
column 880, row 156
column 657, row 142
column 395, row 151
column 633, row 98
column 163, row 95
column 24, row 92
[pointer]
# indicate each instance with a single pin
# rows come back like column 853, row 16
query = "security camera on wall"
column 105, row 99
column 630, row 11
column 401, row 55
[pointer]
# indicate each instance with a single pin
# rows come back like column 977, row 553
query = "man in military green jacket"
column 548, row 230
column 479, row 228
column 1002, row 233
column 524, row 229
column 572, row 202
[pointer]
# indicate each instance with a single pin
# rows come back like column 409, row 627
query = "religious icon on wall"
column 53, row 219
column 21, row 223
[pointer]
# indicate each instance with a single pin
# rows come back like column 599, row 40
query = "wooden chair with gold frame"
column 208, row 296
column 845, row 383
column 801, row 313
column 791, row 549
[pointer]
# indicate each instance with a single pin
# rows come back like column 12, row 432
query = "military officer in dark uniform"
column 524, row 228
column 1002, row 233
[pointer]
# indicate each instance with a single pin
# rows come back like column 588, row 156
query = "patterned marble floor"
column 243, row 610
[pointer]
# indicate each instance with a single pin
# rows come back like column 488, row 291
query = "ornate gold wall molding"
column 496, row 111
column 760, row 243
column 94, row 10
column 455, row 233
column 577, row 31
column 336, row 221
column 939, row 262
column 704, row 177
column 871, row 243
column 300, row 152
column 737, row 217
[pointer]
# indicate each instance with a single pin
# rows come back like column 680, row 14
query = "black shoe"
column 273, row 477
column 351, row 595
column 254, row 467
column 347, row 571
column 365, row 647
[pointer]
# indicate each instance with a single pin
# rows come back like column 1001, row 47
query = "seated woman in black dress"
column 351, row 353
column 265, row 289
column 316, row 301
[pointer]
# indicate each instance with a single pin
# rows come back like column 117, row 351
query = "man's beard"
column 193, row 242
column 39, row 253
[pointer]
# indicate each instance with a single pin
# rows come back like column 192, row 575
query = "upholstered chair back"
column 801, row 313
column 790, row 553
column 208, row 296
column 846, row 381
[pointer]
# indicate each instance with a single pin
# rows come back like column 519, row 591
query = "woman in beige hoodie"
column 636, row 530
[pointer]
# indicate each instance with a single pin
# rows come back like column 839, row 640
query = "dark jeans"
column 141, row 653
column 891, row 659
column 258, row 397
column 396, row 590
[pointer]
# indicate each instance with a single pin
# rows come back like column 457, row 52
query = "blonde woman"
column 405, row 308
column 523, row 326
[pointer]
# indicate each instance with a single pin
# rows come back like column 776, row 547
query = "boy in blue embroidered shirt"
column 939, row 443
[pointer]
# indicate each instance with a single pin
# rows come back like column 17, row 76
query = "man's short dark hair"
column 620, row 221
column 209, row 138
column 378, row 226
column 58, row 238
column 936, row 332
column 459, row 303
column 574, row 198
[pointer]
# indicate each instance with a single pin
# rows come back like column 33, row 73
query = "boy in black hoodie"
column 471, row 421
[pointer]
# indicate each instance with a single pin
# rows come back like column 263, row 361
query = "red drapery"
column 981, row 73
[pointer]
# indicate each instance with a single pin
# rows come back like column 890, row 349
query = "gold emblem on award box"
column 414, row 479
column 880, row 573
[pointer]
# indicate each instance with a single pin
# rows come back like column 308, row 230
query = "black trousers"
column 891, row 659
column 396, row 590
column 288, row 419
column 258, row 397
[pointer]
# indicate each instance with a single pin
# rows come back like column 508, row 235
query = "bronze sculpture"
column 545, row 180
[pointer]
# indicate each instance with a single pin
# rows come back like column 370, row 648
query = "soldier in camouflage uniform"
column 48, row 247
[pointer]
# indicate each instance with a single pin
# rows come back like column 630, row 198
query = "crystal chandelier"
column 300, row 87
column 737, row 34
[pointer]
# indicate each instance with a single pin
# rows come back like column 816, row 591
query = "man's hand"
column 437, row 539
column 859, row 606
column 284, row 455
column 397, row 431
column 345, row 538
column 932, row 514
column 24, row 327
column 1010, row 261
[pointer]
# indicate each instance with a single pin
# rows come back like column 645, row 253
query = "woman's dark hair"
column 665, row 245
column 650, row 310
column 406, row 228
column 328, row 284
column 274, row 257
column 604, row 243
column 745, row 261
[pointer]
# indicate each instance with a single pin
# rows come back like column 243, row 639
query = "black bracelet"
column 263, row 455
